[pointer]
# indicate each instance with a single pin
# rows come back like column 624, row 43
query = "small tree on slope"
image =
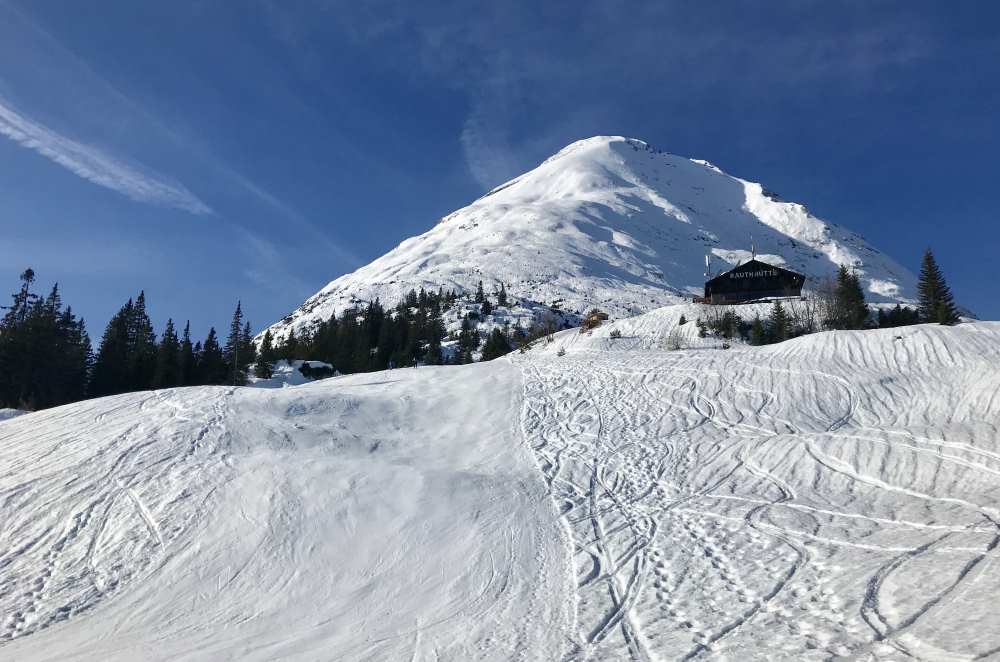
column 850, row 311
column 264, row 368
column 757, row 331
column 936, row 302
column 778, row 323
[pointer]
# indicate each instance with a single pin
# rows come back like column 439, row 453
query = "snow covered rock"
column 289, row 373
column 608, row 222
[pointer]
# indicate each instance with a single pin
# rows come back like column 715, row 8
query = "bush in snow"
column 674, row 340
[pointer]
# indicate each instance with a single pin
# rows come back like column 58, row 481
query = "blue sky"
column 212, row 151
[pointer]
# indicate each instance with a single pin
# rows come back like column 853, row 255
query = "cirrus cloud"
column 97, row 166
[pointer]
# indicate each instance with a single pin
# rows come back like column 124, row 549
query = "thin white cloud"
column 96, row 166
column 335, row 250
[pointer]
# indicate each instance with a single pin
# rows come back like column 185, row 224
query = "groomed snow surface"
column 832, row 497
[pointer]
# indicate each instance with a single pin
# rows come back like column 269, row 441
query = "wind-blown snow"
column 836, row 496
column 609, row 222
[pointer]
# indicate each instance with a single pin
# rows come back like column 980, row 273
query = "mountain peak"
column 609, row 221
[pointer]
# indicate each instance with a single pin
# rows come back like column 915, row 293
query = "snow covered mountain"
column 609, row 222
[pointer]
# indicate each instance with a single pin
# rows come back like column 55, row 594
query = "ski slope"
column 836, row 496
column 372, row 517
column 832, row 497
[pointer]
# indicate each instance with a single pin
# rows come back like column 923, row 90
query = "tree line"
column 372, row 337
column 46, row 356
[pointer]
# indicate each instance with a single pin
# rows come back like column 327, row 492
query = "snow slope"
column 611, row 222
column 357, row 518
column 6, row 413
column 836, row 496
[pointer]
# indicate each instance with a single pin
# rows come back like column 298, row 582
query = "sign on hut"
column 751, row 281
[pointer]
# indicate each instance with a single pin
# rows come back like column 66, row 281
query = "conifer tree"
column 757, row 331
column 234, row 342
column 480, row 294
column 187, row 363
column 778, row 323
column 45, row 354
column 264, row 367
column 141, row 347
column 486, row 307
column 936, row 301
column 212, row 368
column 168, row 359
column 468, row 340
column 111, row 373
column 290, row 348
column 497, row 344
column 248, row 350
column 848, row 310
column 502, row 296
column 15, row 343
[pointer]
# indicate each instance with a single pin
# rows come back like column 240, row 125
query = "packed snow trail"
column 387, row 516
column 832, row 497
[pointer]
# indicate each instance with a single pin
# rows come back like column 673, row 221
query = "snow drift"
column 609, row 222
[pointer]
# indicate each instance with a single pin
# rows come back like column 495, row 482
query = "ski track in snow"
column 834, row 497
column 821, row 499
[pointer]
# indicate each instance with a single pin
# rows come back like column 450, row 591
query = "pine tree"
column 757, row 331
column 290, row 348
column 468, row 341
column 248, row 351
column 848, row 307
column 264, row 368
column 45, row 353
column 188, row 362
column 778, row 324
column 15, row 344
column 111, row 373
column 168, row 359
column 502, row 296
column 486, row 307
column 141, row 347
column 496, row 345
column 234, row 362
column 480, row 294
column 936, row 301
column 212, row 368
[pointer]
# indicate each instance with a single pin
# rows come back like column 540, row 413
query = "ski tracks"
column 707, row 522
